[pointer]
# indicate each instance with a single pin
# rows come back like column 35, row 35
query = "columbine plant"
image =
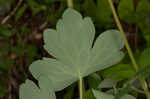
column 76, row 56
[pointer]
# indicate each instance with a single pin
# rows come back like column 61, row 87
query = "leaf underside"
column 71, row 44
column 29, row 90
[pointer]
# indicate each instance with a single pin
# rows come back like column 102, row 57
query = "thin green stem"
column 123, row 35
column 70, row 3
column 81, row 87
column 143, row 82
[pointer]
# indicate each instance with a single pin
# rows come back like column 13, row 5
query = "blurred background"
column 21, row 30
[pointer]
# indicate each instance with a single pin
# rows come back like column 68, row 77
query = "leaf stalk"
column 70, row 3
column 81, row 87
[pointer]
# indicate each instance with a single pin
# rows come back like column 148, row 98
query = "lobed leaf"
column 29, row 90
column 71, row 45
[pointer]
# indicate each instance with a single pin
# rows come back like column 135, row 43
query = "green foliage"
column 142, row 10
column 5, row 6
column 34, row 6
column 6, row 32
column 126, row 10
column 144, row 58
column 144, row 27
column 124, row 71
column 20, row 12
column 89, row 94
column 100, row 12
column 107, row 83
column 76, row 57
column 69, row 92
column 19, row 46
column 94, row 80
column 101, row 95
column 30, row 91
column 128, row 13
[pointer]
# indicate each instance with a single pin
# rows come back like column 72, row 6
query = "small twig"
column 12, row 13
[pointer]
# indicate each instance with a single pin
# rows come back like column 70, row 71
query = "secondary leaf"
column 124, row 71
column 100, row 13
column 94, row 80
column 30, row 91
column 102, row 95
column 107, row 83
column 142, row 10
column 144, row 58
column 126, row 10
column 89, row 94
column 71, row 44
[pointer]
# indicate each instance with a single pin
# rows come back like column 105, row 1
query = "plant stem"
column 81, row 87
column 123, row 35
column 70, row 3
column 143, row 82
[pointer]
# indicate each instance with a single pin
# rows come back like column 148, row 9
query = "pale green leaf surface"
column 71, row 45
column 128, row 97
column 107, row 83
column 29, row 90
column 60, row 75
column 102, row 95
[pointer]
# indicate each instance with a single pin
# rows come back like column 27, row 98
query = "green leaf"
column 124, row 71
column 71, row 44
column 128, row 97
column 6, row 32
column 102, row 95
column 69, row 92
column 144, row 58
column 126, row 11
column 142, row 10
column 20, row 12
column 35, row 6
column 100, row 12
column 94, row 80
column 107, row 83
column 89, row 94
column 29, row 90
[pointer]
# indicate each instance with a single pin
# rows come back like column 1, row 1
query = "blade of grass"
column 142, row 80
